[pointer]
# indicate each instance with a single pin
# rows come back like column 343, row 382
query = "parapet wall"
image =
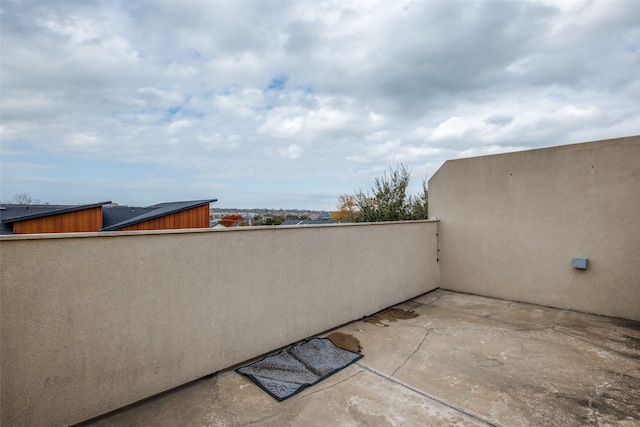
column 93, row 322
column 512, row 223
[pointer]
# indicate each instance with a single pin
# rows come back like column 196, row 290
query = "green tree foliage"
column 269, row 220
column 388, row 199
column 274, row 221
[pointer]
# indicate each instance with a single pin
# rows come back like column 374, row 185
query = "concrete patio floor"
column 443, row 358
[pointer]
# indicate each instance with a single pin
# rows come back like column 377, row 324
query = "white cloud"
column 283, row 123
column 242, row 103
column 293, row 151
column 181, row 70
column 332, row 92
column 178, row 125
column 453, row 128
column 291, row 122
column 83, row 140
column 327, row 119
column 394, row 151
column 77, row 28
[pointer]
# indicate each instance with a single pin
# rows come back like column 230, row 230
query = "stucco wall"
column 512, row 223
column 92, row 322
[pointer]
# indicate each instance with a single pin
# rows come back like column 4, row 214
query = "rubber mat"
column 286, row 373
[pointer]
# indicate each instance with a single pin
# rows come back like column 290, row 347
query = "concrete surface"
column 93, row 322
column 512, row 223
column 443, row 358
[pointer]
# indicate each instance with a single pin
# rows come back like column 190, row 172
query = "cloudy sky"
column 290, row 104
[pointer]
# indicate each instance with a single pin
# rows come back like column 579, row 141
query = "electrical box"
column 580, row 263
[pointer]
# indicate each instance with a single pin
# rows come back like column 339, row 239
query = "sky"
column 265, row 104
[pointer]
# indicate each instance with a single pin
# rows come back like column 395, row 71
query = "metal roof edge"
column 73, row 208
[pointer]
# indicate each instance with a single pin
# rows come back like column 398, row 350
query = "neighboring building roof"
column 309, row 222
column 114, row 217
column 114, row 214
column 149, row 213
column 10, row 213
column 292, row 222
column 39, row 211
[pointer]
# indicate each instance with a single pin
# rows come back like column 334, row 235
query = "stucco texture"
column 512, row 223
column 93, row 322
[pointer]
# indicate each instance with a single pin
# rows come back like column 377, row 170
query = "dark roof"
column 148, row 213
column 114, row 214
column 10, row 213
column 40, row 211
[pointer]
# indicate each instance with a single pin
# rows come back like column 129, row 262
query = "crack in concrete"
column 599, row 390
column 265, row 418
column 428, row 303
column 517, row 339
column 559, row 318
column 331, row 386
column 270, row 416
column 216, row 396
column 601, row 346
column 350, row 409
column 482, row 316
column 517, row 327
column 489, row 329
column 467, row 313
column 413, row 326
column 490, row 316
column 429, row 397
column 427, row 332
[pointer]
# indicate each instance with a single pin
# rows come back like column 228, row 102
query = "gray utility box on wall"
column 580, row 263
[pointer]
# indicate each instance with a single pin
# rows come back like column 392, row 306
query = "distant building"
column 164, row 216
column 103, row 216
column 32, row 219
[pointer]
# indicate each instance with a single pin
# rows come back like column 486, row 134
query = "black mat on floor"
column 286, row 373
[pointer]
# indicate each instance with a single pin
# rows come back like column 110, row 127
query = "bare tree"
column 23, row 199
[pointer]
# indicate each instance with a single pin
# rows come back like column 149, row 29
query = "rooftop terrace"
column 93, row 322
column 443, row 358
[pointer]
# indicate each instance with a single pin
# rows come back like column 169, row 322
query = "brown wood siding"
column 192, row 218
column 70, row 222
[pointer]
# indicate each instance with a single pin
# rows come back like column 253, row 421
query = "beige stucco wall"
column 92, row 322
column 512, row 223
